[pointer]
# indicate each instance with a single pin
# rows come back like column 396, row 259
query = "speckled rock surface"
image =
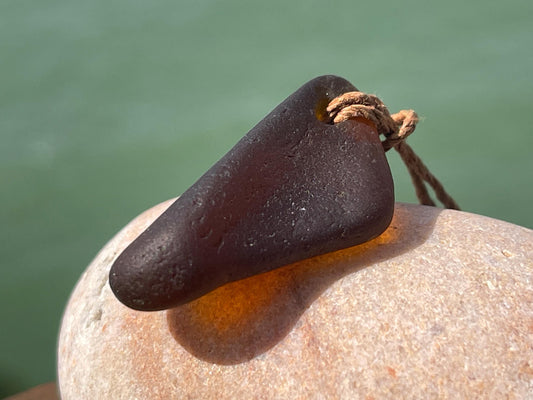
column 439, row 306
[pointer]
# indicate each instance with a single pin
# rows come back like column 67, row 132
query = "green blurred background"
column 109, row 107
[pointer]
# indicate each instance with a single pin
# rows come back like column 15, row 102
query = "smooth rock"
column 438, row 306
column 45, row 391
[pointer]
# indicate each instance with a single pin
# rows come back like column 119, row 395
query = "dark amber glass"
column 294, row 187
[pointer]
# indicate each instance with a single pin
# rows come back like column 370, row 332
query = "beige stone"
column 45, row 391
column 439, row 306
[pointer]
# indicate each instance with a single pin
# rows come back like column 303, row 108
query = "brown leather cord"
column 395, row 128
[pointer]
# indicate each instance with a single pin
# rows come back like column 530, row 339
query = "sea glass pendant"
column 294, row 187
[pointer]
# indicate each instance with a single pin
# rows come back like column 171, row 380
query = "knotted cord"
column 395, row 128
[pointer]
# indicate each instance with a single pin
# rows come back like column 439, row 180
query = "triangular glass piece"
column 294, row 187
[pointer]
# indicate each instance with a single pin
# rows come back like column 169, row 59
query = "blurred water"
column 108, row 107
